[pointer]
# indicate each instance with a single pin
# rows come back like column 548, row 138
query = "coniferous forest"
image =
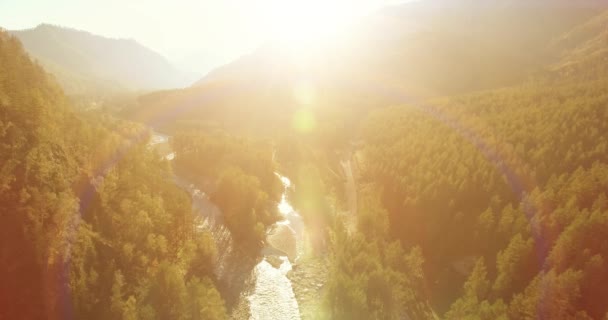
column 92, row 225
column 450, row 161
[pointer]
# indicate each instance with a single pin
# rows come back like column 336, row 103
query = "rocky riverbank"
column 308, row 278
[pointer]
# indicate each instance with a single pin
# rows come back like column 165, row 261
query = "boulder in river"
column 274, row 261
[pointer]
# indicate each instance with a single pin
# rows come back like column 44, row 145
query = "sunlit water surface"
column 273, row 296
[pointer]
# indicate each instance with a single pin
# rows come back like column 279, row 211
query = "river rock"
column 274, row 261
column 283, row 238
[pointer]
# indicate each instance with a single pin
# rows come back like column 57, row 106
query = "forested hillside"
column 583, row 52
column 403, row 53
column 88, row 64
column 449, row 160
column 507, row 187
column 514, row 179
column 481, row 193
column 91, row 224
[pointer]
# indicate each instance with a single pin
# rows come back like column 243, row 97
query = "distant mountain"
column 86, row 63
column 413, row 51
column 435, row 47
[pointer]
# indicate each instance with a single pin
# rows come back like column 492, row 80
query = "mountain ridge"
column 396, row 56
column 85, row 62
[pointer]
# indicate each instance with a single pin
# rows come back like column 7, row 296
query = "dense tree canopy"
column 239, row 175
column 486, row 204
column 91, row 224
column 512, row 176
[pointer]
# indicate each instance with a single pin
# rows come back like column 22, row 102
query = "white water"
column 158, row 138
column 273, row 296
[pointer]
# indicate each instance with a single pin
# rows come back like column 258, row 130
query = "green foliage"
column 206, row 303
column 92, row 226
column 514, row 175
column 247, row 218
column 371, row 277
column 476, row 290
column 237, row 168
column 511, row 179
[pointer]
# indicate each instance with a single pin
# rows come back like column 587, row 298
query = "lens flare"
column 304, row 120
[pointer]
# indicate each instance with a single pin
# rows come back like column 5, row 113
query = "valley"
column 434, row 160
column 267, row 291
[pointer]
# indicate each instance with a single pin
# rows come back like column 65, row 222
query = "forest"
column 508, row 185
column 102, row 231
column 437, row 174
column 237, row 168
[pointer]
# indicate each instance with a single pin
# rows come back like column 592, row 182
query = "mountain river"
column 271, row 295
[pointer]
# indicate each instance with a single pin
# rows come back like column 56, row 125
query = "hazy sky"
column 193, row 34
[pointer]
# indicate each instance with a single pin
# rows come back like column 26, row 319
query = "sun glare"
column 305, row 24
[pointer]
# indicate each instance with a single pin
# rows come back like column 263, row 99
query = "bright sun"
column 304, row 23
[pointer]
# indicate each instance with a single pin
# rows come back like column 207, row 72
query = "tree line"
column 91, row 225
column 511, row 184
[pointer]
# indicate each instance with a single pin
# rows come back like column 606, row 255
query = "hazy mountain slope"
column 404, row 53
column 584, row 50
column 86, row 62
column 431, row 47
column 466, row 46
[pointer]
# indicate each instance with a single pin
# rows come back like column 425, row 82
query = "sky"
column 194, row 35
